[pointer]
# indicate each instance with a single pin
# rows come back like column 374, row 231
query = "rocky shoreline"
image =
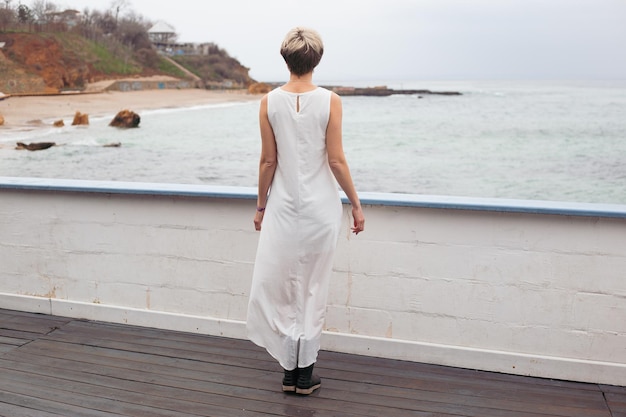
column 33, row 111
column 379, row 91
column 384, row 91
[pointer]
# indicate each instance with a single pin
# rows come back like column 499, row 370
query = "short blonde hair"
column 302, row 50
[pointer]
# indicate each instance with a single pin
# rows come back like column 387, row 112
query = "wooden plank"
column 111, row 369
column 616, row 403
column 614, row 389
column 214, row 354
column 18, row 334
column 114, row 400
column 11, row 341
column 29, row 402
column 272, row 383
column 34, row 324
column 520, row 404
column 18, row 328
column 361, row 365
column 260, row 393
column 6, row 348
column 84, row 331
column 11, row 410
column 469, row 374
column 447, row 403
column 589, row 402
column 153, row 337
column 436, row 373
column 475, row 387
column 134, row 359
column 118, row 380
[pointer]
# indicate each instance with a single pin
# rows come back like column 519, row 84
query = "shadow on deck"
column 54, row 366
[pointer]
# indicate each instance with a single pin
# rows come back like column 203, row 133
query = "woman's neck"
column 301, row 79
column 300, row 83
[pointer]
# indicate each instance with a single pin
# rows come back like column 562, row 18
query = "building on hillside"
column 162, row 36
column 68, row 17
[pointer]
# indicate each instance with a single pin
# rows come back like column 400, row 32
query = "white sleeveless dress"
column 299, row 234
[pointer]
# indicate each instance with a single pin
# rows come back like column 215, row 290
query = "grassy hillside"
column 67, row 60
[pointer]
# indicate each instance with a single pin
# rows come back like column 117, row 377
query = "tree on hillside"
column 105, row 21
column 7, row 17
column 134, row 33
column 87, row 26
column 117, row 5
column 42, row 9
column 24, row 14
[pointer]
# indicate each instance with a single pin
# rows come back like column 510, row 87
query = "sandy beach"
column 33, row 110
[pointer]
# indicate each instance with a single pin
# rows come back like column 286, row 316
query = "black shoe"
column 307, row 382
column 289, row 380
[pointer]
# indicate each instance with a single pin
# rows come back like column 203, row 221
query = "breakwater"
column 384, row 91
column 378, row 91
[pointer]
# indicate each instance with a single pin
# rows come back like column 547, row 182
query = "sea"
column 530, row 140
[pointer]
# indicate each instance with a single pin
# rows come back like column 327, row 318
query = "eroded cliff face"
column 38, row 63
column 38, row 57
column 14, row 79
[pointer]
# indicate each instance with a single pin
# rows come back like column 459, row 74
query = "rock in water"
column 1, row 120
column 126, row 118
column 58, row 123
column 80, row 119
column 35, row 146
column 259, row 88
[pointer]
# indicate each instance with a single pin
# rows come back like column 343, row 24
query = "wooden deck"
column 52, row 366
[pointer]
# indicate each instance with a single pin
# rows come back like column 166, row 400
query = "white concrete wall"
column 525, row 292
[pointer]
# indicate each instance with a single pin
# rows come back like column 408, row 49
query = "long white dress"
column 298, row 238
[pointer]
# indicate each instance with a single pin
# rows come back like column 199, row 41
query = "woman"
column 302, row 160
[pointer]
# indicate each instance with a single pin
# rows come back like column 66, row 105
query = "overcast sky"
column 405, row 40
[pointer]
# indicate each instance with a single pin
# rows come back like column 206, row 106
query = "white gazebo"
column 162, row 34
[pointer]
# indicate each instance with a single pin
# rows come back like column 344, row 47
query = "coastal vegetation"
column 46, row 49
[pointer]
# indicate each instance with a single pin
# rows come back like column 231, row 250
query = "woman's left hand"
column 258, row 219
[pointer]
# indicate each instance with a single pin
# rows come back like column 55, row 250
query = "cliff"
column 36, row 63
column 44, row 63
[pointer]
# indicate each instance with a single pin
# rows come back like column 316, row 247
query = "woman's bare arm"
column 267, row 163
column 339, row 164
